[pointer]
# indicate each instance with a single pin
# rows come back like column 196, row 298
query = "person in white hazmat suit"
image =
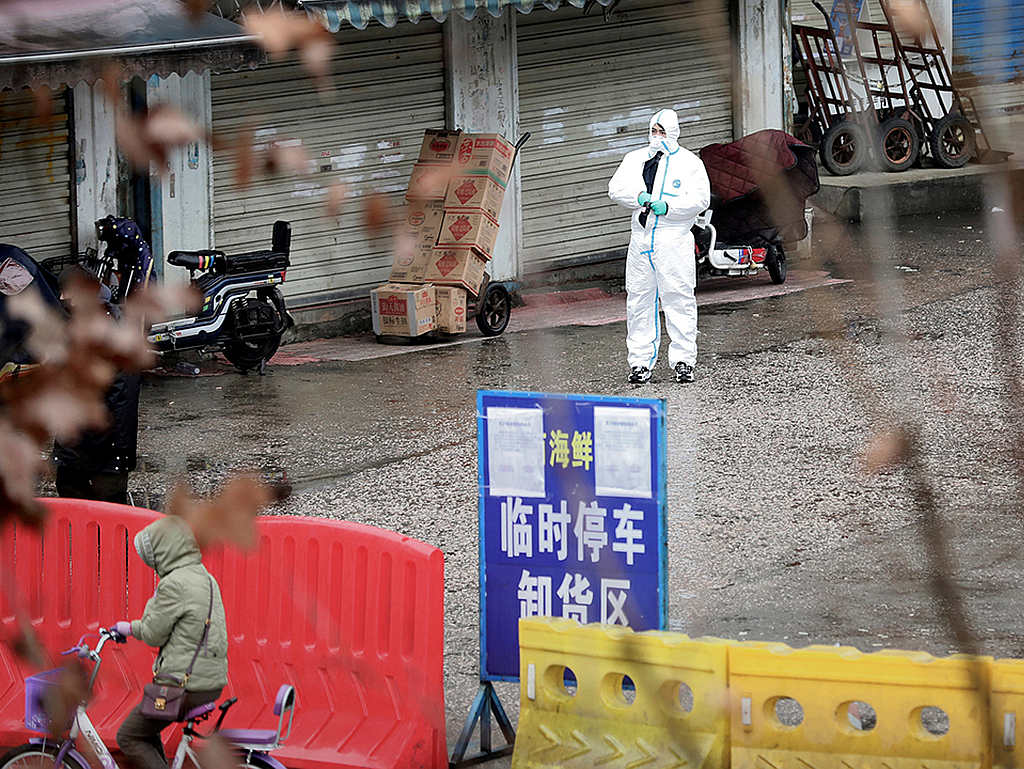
column 666, row 187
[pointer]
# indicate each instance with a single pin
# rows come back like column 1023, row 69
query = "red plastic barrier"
column 350, row 615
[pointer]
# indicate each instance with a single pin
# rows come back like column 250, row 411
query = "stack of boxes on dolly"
column 453, row 202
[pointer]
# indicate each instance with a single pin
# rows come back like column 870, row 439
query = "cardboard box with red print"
column 450, row 315
column 475, row 193
column 462, row 267
column 439, row 146
column 402, row 310
column 485, row 154
column 468, row 229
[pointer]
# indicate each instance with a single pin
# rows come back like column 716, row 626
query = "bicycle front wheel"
column 39, row 756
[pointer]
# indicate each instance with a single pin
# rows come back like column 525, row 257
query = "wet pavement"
column 776, row 532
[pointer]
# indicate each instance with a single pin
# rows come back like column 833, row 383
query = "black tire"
column 494, row 309
column 899, row 146
column 952, row 141
column 40, row 756
column 254, row 334
column 775, row 261
column 844, row 148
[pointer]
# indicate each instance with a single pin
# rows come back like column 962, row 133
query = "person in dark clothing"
column 98, row 464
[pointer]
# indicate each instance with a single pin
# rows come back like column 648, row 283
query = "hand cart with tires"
column 897, row 139
column 490, row 306
column 949, row 121
column 839, row 120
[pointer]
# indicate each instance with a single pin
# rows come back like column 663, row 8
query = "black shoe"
column 684, row 372
column 639, row 375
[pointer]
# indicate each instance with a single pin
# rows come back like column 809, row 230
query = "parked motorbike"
column 243, row 313
column 759, row 188
column 717, row 259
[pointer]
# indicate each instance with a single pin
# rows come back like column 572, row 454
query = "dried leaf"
column 47, row 339
column 886, row 450
column 230, row 516
column 289, row 159
column 215, row 753
column 429, row 179
column 27, row 646
column 112, row 75
column 376, row 214
column 245, row 159
column 283, row 31
column 18, row 471
column 43, row 98
column 196, row 9
column 336, row 195
column 149, row 139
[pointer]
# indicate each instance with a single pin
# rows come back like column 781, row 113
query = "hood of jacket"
column 669, row 120
column 167, row 544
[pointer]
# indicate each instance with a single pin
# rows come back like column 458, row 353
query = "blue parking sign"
column 572, row 515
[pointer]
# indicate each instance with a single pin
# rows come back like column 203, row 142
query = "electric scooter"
column 243, row 312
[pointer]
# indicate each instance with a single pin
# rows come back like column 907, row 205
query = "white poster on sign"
column 622, row 452
column 515, row 452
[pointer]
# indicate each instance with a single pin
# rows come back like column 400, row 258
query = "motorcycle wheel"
column 494, row 309
column 254, row 334
column 775, row 261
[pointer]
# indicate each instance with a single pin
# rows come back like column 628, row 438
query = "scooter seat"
column 195, row 260
column 255, row 261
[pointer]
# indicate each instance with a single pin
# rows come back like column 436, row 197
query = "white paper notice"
column 515, row 452
column 622, row 452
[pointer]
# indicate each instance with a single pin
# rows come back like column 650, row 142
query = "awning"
column 89, row 38
column 359, row 13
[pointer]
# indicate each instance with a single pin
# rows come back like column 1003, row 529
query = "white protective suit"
column 660, row 263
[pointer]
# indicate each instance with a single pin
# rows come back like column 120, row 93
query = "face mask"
column 656, row 143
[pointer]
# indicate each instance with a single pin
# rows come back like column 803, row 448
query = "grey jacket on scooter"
column 176, row 614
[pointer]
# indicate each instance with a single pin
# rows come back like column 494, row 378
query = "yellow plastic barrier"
column 837, row 708
column 1007, row 712
column 673, row 715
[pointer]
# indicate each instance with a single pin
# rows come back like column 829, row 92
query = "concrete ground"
column 776, row 531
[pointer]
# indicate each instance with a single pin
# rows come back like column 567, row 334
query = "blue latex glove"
column 659, row 207
column 124, row 628
column 644, row 198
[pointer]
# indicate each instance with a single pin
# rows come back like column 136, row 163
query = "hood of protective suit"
column 167, row 544
column 669, row 120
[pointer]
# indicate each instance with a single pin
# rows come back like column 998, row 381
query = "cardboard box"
column 450, row 315
column 415, row 241
column 485, row 154
column 402, row 310
column 429, row 181
column 473, row 192
column 457, row 267
column 469, row 229
column 439, row 146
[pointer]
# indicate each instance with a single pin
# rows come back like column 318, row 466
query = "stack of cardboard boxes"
column 453, row 202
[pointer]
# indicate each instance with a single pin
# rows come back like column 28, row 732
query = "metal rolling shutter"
column 389, row 87
column 988, row 53
column 35, row 183
column 587, row 89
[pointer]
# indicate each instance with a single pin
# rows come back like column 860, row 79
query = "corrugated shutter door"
column 388, row 88
column 35, row 184
column 587, row 89
column 988, row 53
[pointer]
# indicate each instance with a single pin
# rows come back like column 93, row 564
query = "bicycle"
column 253, row 746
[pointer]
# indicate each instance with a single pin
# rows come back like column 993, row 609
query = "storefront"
column 588, row 85
column 387, row 88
